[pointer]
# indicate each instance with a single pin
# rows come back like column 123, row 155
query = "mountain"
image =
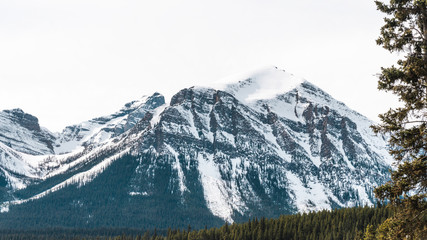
column 22, row 132
column 99, row 131
column 261, row 144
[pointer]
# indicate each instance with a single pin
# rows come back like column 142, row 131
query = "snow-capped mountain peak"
column 264, row 143
column 264, row 83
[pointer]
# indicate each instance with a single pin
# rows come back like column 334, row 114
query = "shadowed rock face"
column 24, row 119
column 22, row 132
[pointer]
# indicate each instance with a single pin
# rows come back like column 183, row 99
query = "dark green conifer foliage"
column 335, row 224
column 405, row 31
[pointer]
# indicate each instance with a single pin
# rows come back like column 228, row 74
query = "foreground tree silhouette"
column 405, row 31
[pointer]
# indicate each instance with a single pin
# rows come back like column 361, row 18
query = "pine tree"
column 405, row 30
column 369, row 233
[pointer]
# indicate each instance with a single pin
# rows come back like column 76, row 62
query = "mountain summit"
column 264, row 144
column 263, row 83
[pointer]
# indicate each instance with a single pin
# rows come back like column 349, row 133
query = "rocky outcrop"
column 21, row 131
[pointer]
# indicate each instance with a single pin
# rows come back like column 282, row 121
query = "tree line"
column 345, row 223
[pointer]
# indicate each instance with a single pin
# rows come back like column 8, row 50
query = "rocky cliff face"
column 267, row 144
column 21, row 131
column 250, row 158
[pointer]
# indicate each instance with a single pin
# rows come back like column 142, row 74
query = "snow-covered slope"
column 263, row 83
column 13, row 166
column 30, row 154
column 22, row 132
column 261, row 144
column 97, row 131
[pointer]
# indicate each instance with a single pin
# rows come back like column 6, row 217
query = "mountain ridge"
column 232, row 153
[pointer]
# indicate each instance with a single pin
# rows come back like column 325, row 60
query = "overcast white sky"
column 68, row 61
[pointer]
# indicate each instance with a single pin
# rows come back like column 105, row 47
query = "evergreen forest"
column 345, row 223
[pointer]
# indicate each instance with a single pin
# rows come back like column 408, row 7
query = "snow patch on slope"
column 214, row 188
column 178, row 168
column 308, row 199
column 13, row 161
column 157, row 115
column 363, row 196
